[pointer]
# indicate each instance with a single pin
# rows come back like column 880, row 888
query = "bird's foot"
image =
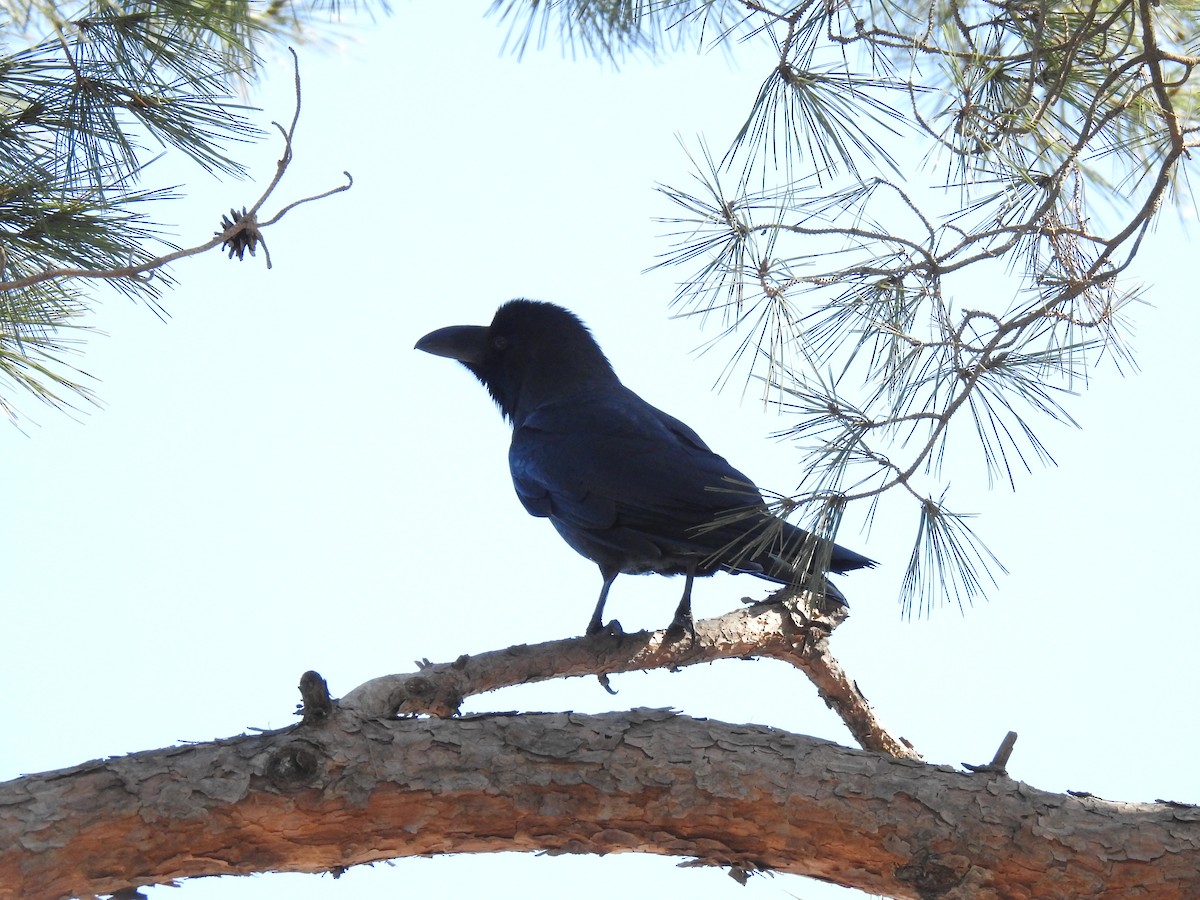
column 680, row 626
column 612, row 629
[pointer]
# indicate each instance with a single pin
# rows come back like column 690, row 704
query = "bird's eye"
column 499, row 342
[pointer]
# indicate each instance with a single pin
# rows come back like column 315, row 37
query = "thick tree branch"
column 347, row 790
column 777, row 630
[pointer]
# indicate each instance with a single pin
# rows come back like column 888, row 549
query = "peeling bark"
column 342, row 789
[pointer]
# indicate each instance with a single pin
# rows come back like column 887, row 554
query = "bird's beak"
column 466, row 343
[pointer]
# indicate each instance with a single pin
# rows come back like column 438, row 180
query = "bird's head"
column 532, row 353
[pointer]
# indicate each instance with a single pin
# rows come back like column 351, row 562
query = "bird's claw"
column 612, row 630
column 679, row 627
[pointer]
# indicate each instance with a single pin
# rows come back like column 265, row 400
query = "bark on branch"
column 343, row 790
column 775, row 630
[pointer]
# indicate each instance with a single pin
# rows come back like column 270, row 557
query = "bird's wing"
column 618, row 476
column 612, row 460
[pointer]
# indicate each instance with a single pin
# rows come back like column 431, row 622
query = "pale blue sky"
column 276, row 455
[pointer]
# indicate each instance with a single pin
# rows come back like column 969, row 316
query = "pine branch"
column 38, row 290
column 839, row 296
column 775, row 630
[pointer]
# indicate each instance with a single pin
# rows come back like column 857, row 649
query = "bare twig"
column 999, row 763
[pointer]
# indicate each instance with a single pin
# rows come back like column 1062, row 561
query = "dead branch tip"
column 316, row 704
column 999, row 763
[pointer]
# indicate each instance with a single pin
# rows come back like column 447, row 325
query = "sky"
column 274, row 454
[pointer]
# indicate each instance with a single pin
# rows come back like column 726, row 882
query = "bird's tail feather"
column 767, row 546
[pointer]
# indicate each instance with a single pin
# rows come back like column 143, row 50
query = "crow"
column 626, row 485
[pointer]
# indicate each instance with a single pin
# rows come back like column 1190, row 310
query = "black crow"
column 628, row 486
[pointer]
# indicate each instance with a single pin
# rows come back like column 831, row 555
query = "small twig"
column 999, row 763
column 321, row 196
column 288, row 137
column 62, row 40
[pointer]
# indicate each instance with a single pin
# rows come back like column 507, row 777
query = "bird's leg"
column 596, row 625
column 683, row 613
